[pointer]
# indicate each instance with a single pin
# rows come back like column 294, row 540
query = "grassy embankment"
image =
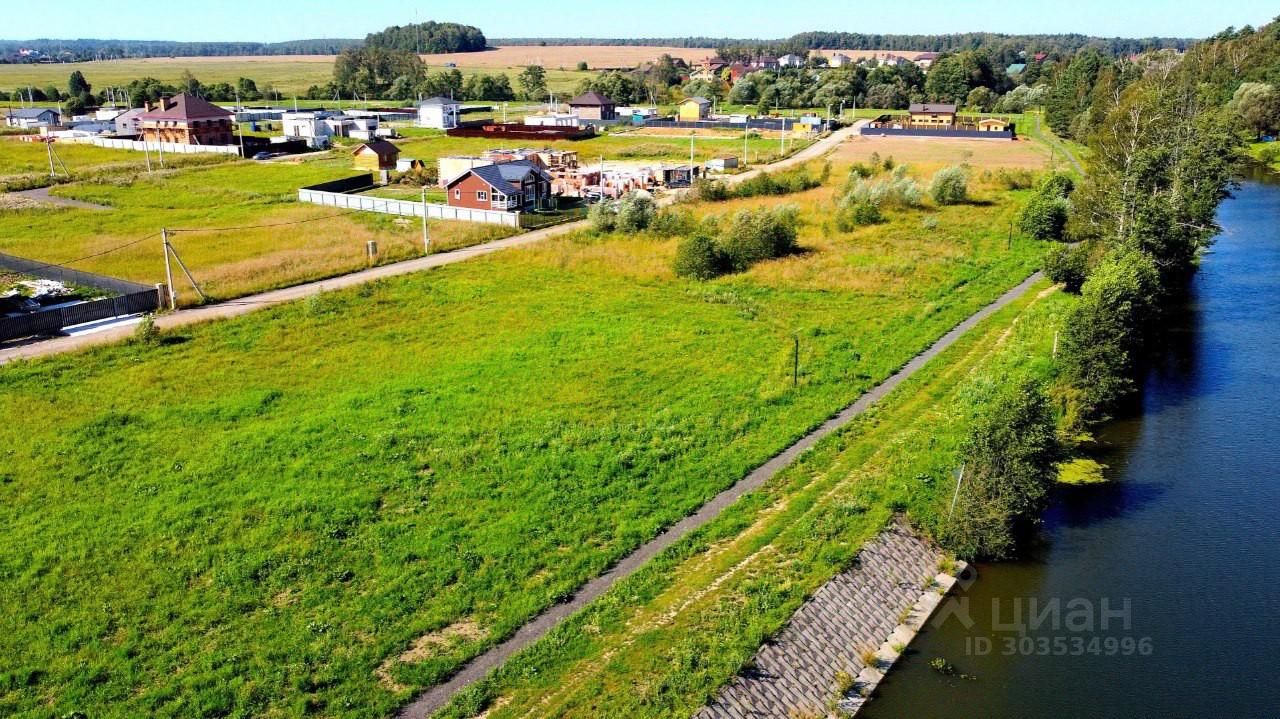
column 297, row 496
column 661, row 642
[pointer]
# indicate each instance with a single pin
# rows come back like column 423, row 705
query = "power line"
column 68, row 263
column 254, row 227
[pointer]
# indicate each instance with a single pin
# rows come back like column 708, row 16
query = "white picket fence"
column 406, row 208
column 173, row 147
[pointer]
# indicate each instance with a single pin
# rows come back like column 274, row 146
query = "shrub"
column 709, row 190
column 862, row 213
column 1068, row 266
column 888, row 163
column 899, row 190
column 1010, row 457
column 1056, row 184
column 603, row 216
column 860, row 170
column 698, row 257
column 1015, row 179
column 950, row 186
column 929, row 223
column 671, row 222
column 755, row 235
column 635, row 211
column 1045, row 217
column 147, row 333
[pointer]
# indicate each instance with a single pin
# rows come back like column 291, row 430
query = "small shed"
column 694, row 109
column 408, row 164
column 376, row 155
column 992, row 124
column 722, row 163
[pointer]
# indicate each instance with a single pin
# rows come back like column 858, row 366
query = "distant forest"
column 89, row 49
column 1063, row 44
column 429, row 37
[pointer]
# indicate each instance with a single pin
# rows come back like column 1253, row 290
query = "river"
column 1183, row 544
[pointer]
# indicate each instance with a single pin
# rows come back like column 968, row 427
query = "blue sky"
column 273, row 20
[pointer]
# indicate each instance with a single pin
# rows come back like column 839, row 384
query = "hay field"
column 567, row 56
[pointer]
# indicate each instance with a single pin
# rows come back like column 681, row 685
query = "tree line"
column 428, row 37
column 86, row 50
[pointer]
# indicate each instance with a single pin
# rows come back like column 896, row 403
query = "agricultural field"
column 26, row 164
column 988, row 154
column 238, row 227
column 292, row 74
column 440, row 456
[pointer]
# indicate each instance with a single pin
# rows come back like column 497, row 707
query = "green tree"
column 981, row 99
column 948, row 80
column 77, row 85
column 1009, row 460
column 370, row 71
column 190, row 85
column 533, row 83
column 950, row 186
column 1258, row 105
column 698, row 257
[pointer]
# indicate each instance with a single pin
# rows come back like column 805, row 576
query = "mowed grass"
column 259, row 516
column 237, row 226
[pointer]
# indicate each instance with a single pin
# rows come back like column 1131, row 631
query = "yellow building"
column 933, row 115
column 992, row 124
column 694, row 109
column 376, row 155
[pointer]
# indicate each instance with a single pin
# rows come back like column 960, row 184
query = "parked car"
column 263, row 156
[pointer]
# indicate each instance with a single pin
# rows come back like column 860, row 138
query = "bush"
column 860, row 170
column 1068, row 266
column 1056, row 185
column 755, row 235
column 699, row 257
column 1010, row 457
column 862, row 213
column 1015, row 179
column 635, row 211
column 1045, row 217
column 670, row 222
column 899, row 190
column 603, row 216
column 708, row 190
column 147, row 333
column 950, row 186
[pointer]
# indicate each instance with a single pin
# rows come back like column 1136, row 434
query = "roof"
column 933, row 107
column 501, row 175
column 32, row 113
column 1015, row 68
column 990, row 120
column 591, row 97
column 927, row 56
column 130, row 114
column 698, row 99
column 437, row 100
column 381, row 147
column 187, row 107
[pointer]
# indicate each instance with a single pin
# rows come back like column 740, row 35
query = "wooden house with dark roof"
column 512, row 186
column 592, row 105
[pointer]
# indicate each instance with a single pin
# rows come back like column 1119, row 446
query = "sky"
column 276, row 20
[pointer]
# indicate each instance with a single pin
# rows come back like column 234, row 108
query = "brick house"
column 186, row 120
column 939, row 115
column 509, row 186
column 594, row 106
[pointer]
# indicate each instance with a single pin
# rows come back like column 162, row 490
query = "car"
column 263, row 156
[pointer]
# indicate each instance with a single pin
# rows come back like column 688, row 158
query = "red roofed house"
column 186, row 120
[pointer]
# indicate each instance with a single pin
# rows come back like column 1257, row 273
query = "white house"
column 33, row 117
column 839, row 60
column 440, row 113
column 127, row 121
column 790, row 60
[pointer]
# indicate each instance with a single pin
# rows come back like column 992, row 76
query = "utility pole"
column 745, row 126
column 795, row 362
column 48, row 147
column 168, row 270
column 426, row 242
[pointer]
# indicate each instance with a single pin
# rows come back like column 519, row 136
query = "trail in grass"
column 482, row 664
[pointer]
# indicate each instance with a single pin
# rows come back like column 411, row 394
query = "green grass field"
column 259, row 516
column 662, row 641
column 288, row 75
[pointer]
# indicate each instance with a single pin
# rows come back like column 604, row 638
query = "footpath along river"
column 1179, row 553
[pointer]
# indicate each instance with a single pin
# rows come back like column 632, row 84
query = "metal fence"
column 754, row 123
column 53, row 320
column 869, row 131
column 406, row 208
column 66, row 275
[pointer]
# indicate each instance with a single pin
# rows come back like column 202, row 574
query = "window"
column 481, row 195
column 457, row 194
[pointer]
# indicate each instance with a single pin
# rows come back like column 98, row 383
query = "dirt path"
column 41, row 194
column 477, row 668
column 244, row 305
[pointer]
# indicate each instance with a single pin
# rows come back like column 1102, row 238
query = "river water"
column 1183, row 545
